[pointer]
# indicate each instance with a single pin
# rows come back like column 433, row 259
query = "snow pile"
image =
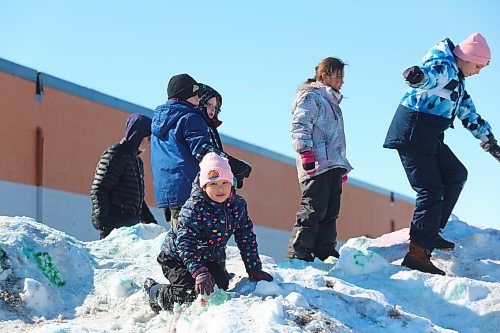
column 51, row 282
column 44, row 271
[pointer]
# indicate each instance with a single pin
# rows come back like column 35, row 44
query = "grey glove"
column 491, row 146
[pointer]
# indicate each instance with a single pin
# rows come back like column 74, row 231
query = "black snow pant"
column 438, row 180
column 315, row 229
column 181, row 287
column 172, row 214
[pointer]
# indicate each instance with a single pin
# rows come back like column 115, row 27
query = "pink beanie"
column 214, row 167
column 474, row 49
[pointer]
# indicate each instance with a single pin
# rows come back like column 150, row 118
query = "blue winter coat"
column 204, row 228
column 179, row 140
column 429, row 107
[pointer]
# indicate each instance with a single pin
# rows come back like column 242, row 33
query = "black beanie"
column 182, row 87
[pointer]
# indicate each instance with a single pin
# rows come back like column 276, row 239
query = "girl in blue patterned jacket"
column 436, row 96
column 193, row 253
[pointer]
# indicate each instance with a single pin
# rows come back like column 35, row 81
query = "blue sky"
column 257, row 53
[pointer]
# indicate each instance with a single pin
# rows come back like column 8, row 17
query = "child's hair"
column 328, row 65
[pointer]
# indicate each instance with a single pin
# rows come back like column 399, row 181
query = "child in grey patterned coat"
column 318, row 139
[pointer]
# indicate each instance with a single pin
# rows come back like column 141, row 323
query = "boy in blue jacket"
column 180, row 138
column 193, row 253
column 436, row 96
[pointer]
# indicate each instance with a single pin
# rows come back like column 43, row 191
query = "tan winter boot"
column 419, row 258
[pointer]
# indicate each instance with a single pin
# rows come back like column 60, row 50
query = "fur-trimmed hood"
column 328, row 93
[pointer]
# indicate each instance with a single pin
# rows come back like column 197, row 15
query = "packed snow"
column 52, row 282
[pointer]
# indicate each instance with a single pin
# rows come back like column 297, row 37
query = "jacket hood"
column 207, row 93
column 328, row 93
column 167, row 115
column 439, row 53
column 137, row 128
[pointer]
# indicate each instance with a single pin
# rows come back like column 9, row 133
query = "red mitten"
column 204, row 283
column 259, row 275
column 308, row 162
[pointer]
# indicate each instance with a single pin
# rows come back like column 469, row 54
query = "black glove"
column 491, row 146
column 240, row 170
column 413, row 75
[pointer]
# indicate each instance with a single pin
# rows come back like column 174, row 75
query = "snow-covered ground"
column 51, row 282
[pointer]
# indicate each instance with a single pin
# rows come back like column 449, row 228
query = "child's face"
column 218, row 190
column 212, row 107
column 334, row 80
column 469, row 68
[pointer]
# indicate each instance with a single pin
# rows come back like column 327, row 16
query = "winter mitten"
column 491, row 146
column 308, row 162
column 240, row 170
column 259, row 275
column 413, row 75
column 204, row 283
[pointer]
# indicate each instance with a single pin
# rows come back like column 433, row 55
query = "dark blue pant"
column 438, row 180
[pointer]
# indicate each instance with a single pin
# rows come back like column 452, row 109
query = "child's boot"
column 443, row 244
column 151, row 288
column 419, row 258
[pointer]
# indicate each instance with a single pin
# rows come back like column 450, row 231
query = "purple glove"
column 204, row 283
column 259, row 275
column 308, row 162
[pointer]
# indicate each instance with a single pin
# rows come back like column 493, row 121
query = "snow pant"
column 172, row 214
column 181, row 287
column 315, row 229
column 118, row 219
column 438, row 180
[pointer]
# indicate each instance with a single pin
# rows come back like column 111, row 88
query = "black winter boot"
column 305, row 256
column 443, row 244
column 323, row 256
column 419, row 258
column 150, row 288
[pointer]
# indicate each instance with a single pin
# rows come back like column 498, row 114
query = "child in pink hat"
column 193, row 254
column 435, row 97
column 474, row 49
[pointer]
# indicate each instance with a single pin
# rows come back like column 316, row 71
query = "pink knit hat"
column 474, row 49
column 214, row 167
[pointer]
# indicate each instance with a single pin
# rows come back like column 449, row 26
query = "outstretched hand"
column 491, row 146
column 240, row 170
column 259, row 275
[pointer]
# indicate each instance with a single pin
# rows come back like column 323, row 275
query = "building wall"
column 53, row 142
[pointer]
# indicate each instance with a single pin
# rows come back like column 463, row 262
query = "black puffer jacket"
column 118, row 189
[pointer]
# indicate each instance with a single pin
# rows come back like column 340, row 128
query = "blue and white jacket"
column 179, row 140
column 428, row 108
